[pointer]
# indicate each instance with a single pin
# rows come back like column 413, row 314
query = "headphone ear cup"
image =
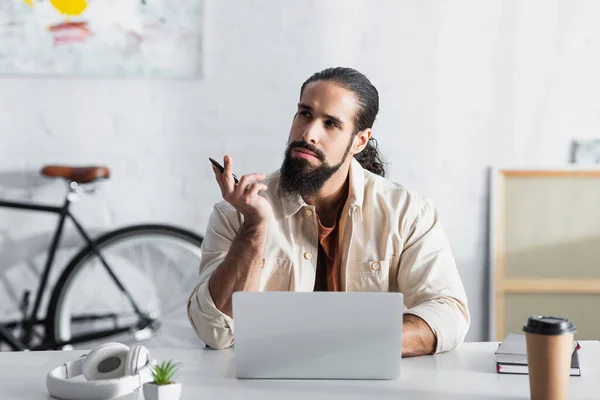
column 138, row 357
column 106, row 361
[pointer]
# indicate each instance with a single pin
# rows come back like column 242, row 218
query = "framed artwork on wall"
column 586, row 152
column 103, row 38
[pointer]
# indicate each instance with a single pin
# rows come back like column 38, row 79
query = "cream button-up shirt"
column 390, row 239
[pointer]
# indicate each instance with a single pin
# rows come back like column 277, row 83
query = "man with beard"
column 328, row 220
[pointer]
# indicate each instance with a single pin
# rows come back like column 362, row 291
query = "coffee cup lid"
column 547, row 325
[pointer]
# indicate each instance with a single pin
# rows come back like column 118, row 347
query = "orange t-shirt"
column 328, row 266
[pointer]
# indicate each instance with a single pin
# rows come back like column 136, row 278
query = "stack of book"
column 511, row 356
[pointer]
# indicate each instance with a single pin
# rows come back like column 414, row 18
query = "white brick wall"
column 463, row 84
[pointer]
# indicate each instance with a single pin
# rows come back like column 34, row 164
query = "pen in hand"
column 220, row 167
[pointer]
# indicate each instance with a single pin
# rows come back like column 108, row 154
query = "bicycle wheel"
column 157, row 265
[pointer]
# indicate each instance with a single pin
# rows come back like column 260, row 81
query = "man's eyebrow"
column 327, row 116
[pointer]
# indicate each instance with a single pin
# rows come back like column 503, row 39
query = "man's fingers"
column 228, row 174
column 248, row 185
column 217, row 172
column 247, row 180
column 255, row 188
column 219, row 179
column 228, row 163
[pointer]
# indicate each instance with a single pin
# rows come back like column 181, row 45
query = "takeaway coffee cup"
column 549, row 349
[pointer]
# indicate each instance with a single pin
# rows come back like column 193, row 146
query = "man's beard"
column 299, row 177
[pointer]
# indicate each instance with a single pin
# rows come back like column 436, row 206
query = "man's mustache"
column 307, row 146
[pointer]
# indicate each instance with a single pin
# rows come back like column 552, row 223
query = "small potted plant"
column 163, row 387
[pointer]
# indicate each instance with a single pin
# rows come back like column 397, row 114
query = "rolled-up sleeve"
column 429, row 279
column 214, row 327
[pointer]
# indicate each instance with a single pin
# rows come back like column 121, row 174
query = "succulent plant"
column 164, row 372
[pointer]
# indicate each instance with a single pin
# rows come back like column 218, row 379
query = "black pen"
column 220, row 167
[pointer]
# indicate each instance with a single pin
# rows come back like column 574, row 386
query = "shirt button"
column 262, row 263
column 308, row 255
column 308, row 212
column 376, row 266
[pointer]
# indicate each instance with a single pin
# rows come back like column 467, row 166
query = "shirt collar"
column 356, row 192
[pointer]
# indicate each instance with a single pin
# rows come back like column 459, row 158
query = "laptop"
column 318, row 335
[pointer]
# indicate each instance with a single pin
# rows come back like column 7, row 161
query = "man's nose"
column 311, row 133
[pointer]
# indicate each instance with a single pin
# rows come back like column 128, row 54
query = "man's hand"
column 244, row 196
column 240, row 270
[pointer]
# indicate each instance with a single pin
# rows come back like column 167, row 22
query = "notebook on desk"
column 318, row 335
column 511, row 356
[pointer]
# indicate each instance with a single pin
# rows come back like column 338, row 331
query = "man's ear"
column 361, row 140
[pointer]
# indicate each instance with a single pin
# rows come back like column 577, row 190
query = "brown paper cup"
column 549, row 349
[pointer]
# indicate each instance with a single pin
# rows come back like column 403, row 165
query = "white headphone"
column 111, row 370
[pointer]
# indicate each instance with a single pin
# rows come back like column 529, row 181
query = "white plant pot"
column 153, row 391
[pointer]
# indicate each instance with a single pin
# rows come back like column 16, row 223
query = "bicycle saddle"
column 76, row 174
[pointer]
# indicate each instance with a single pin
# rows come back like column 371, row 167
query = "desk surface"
column 468, row 372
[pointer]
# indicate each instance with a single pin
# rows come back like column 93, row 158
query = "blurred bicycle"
column 127, row 285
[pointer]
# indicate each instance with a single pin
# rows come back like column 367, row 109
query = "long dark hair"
column 368, row 102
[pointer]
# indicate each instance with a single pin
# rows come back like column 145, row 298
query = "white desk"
column 465, row 373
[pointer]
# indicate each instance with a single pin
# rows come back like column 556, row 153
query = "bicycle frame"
column 30, row 321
